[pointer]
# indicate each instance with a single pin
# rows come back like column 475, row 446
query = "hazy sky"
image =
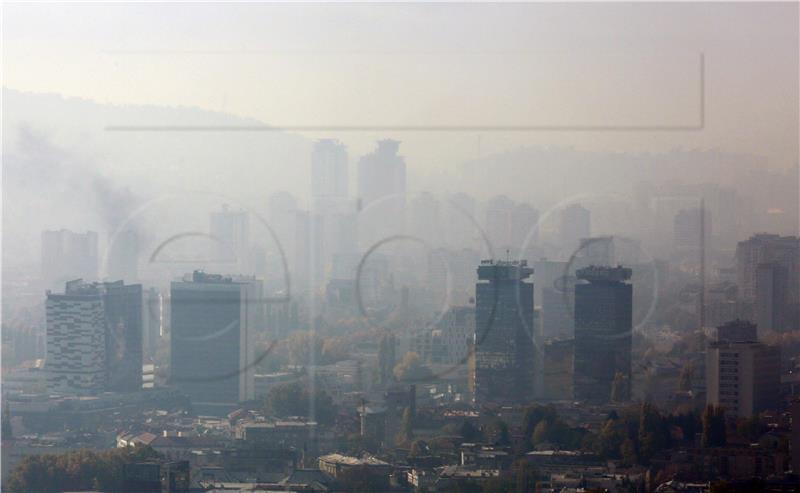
column 549, row 64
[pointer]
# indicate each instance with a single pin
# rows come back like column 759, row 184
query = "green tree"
column 294, row 399
column 75, row 470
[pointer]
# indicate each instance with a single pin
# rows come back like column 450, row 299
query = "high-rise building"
column 152, row 322
column 557, row 369
column 765, row 248
column 503, row 368
column 309, row 247
column 329, row 176
column 331, row 204
column 122, row 261
column 772, row 303
column 742, row 374
column 67, row 255
column 382, row 192
column 575, row 224
column 558, row 307
column 212, row 318
column 78, row 343
column 687, row 229
column 382, row 173
column 603, row 324
column 123, row 309
column 230, row 232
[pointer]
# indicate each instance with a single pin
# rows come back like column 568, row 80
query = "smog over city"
column 400, row 247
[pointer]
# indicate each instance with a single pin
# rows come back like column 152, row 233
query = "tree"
column 294, row 399
column 75, row 470
column 714, row 427
column 525, row 475
column 534, row 414
column 406, row 435
column 619, row 388
column 628, row 452
column 469, row 432
column 686, row 376
column 6, row 431
column 750, row 428
column 499, row 433
column 362, row 480
column 541, row 433
column 411, row 369
column 653, row 433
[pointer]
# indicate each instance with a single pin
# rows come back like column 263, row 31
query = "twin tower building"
column 506, row 342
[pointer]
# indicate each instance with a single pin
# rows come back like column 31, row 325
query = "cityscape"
column 370, row 247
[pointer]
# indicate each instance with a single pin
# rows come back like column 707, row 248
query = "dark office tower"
column 771, row 304
column 152, row 322
column 123, row 312
column 382, row 192
column 67, row 255
column 575, row 224
column 230, row 232
column 122, row 261
column 504, row 345
column 212, row 353
column 603, row 324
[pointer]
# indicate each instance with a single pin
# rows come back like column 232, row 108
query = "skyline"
column 465, row 61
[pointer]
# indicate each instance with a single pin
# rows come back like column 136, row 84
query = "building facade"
column 212, row 318
column 742, row 374
column 94, row 325
column 76, row 344
column 603, row 325
column 504, row 355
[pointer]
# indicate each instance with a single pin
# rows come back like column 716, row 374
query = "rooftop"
column 596, row 273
